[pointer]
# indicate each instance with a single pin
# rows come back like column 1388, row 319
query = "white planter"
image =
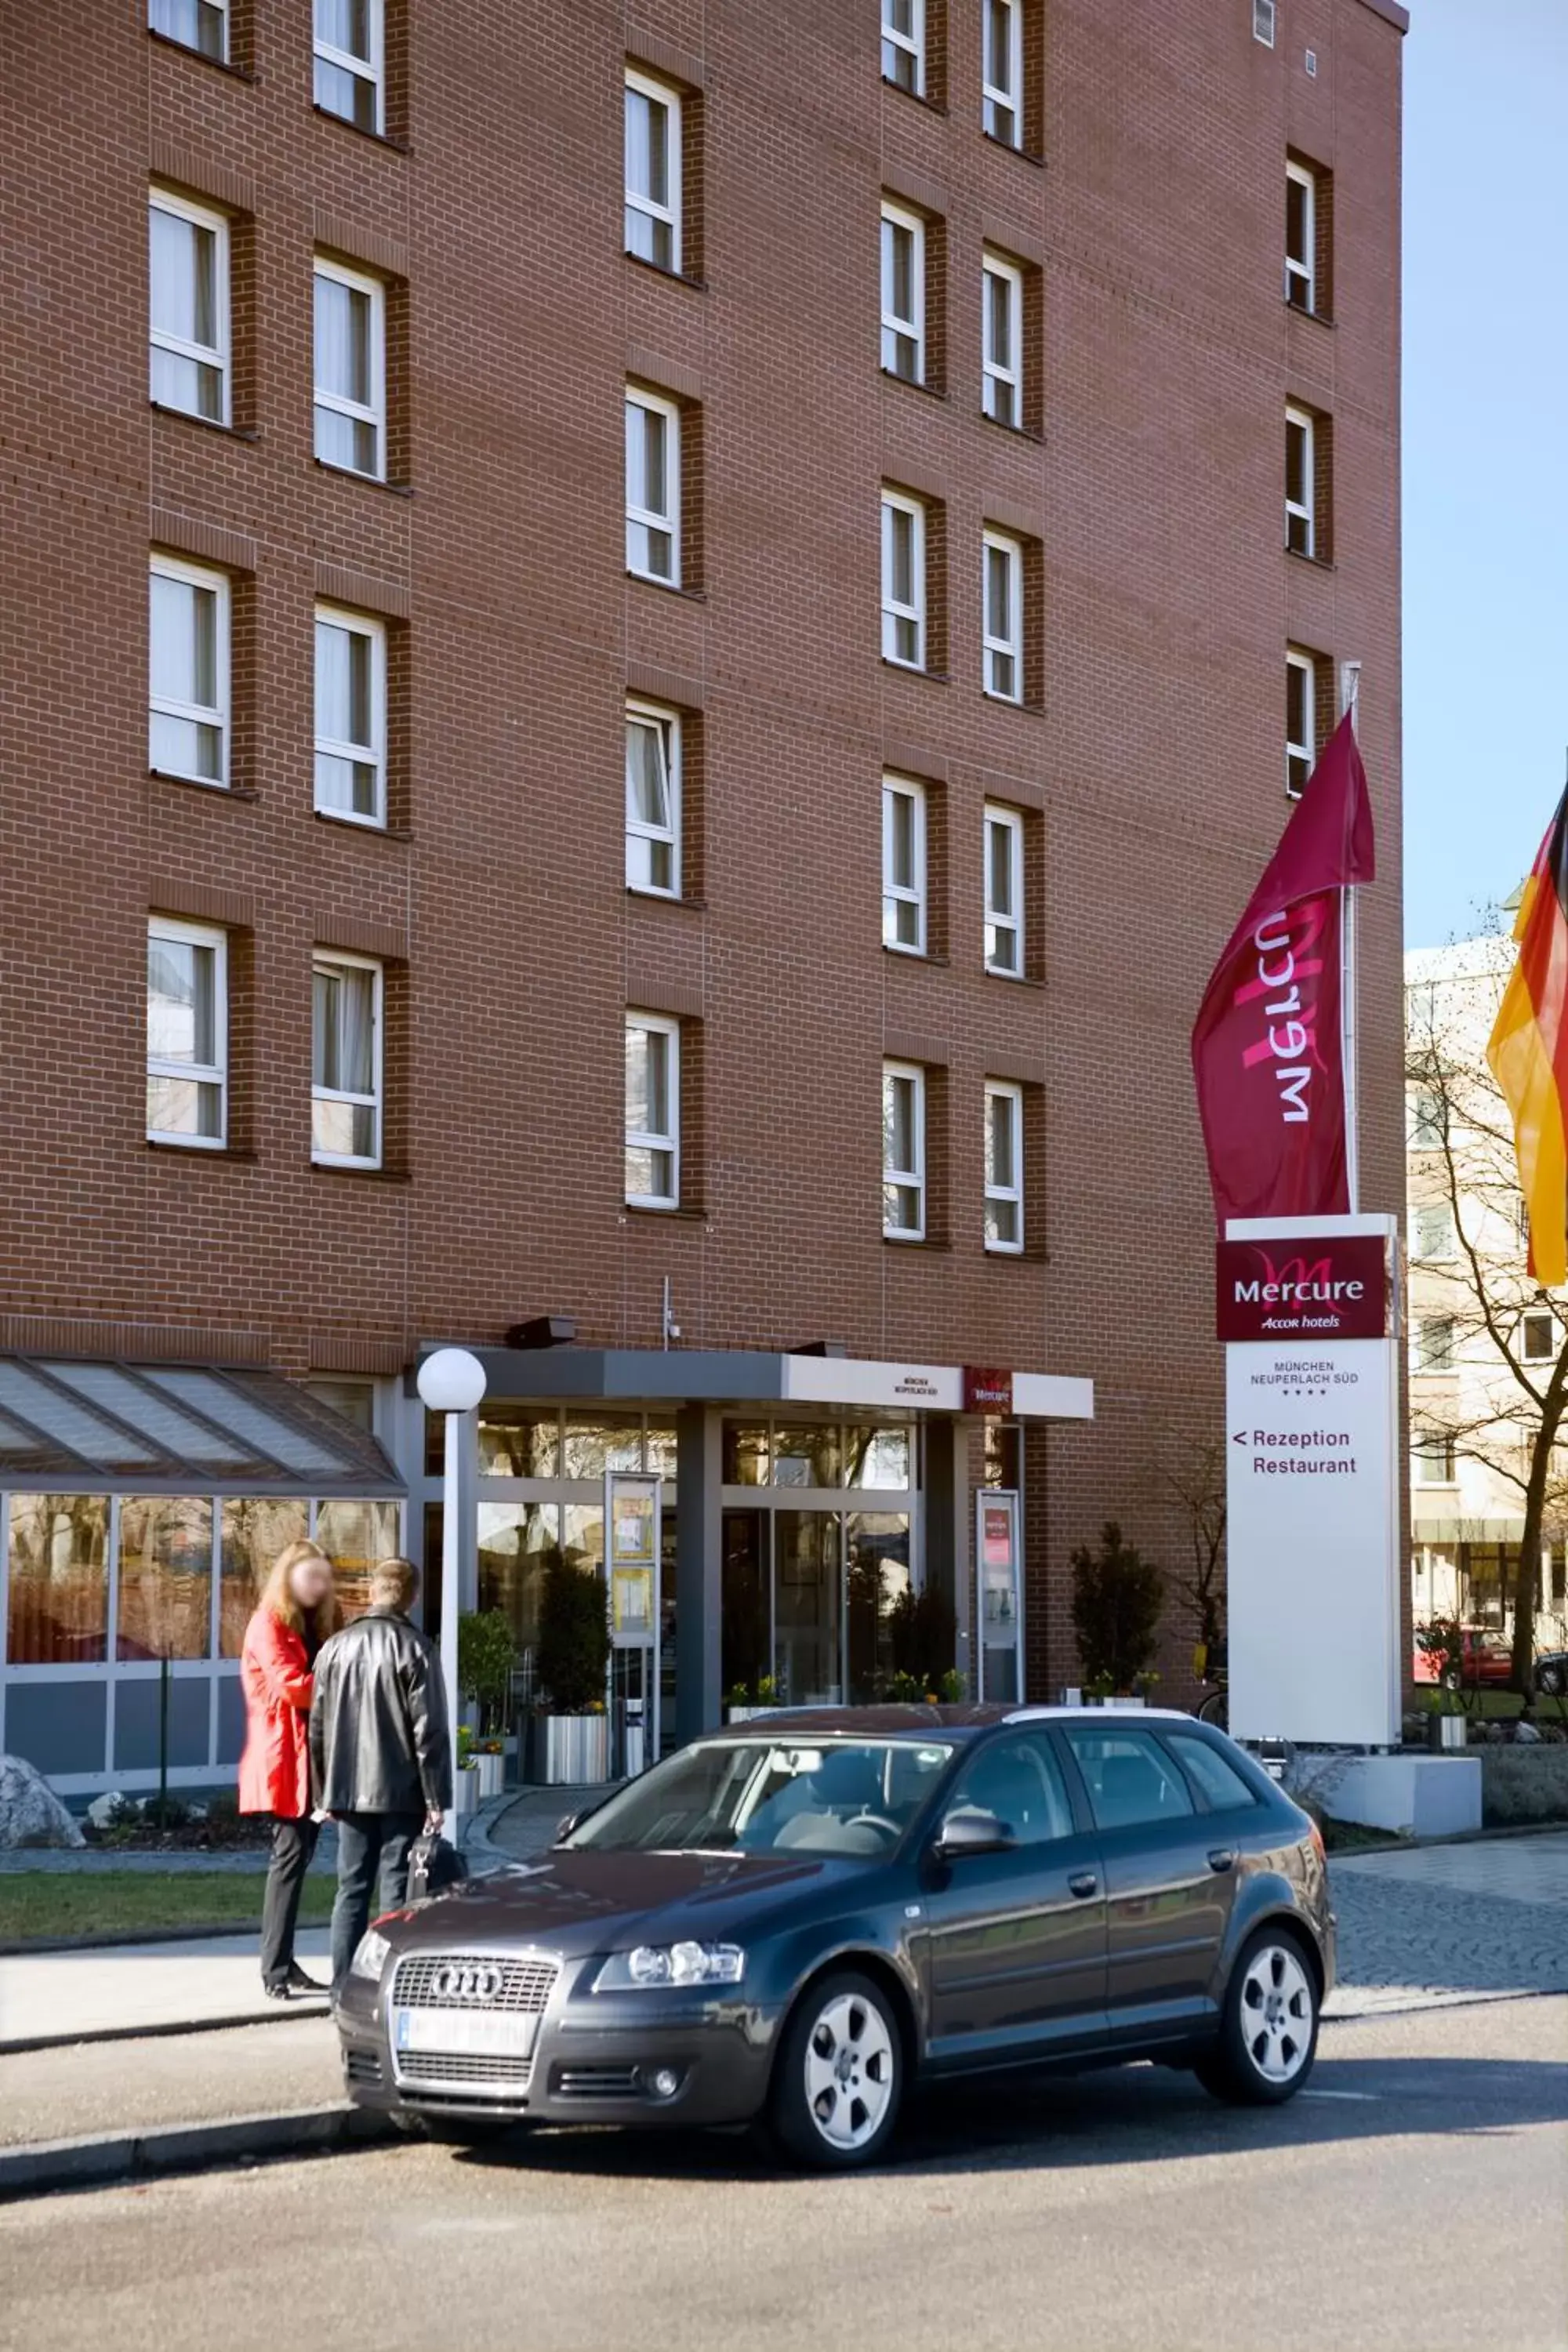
column 491, row 1773
column 465, row 1792
column 576, row 1750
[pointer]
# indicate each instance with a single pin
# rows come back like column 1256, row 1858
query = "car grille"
column 597, row 2082
column 362, row 2066
column 525, row 1984
column 451, row 2070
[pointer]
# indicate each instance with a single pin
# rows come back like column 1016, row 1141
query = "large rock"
column 30, row 1813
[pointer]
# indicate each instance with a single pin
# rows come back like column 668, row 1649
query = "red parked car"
column 1487, row 1664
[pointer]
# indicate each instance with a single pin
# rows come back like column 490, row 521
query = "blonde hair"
column 277, row 1592
column 393, row 1583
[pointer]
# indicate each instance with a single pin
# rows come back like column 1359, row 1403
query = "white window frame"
column 1424, row 1447
column 1442, row 1362
column 213, row 1074
column 898, row 221
column 896, row 613
column 219, row 9
column 1297, row 753
column 359, row 281
column 996, row 375
column 339, row 959
column 1001, row 645
column 371, row 755
column 195, row 575
column 896, row 894
column 1302, row 269
column 999, row 921
column 997, row 99
column 372, row 69
column 911, row 44
column 998, row 1195
column 659, row 1024
column 912, row 1178
column 646, row 518
column 1263, row 23
column 218, row 355
column 639, row 200
column 1301, row 511
column 1538, row 1315
column 668, row 723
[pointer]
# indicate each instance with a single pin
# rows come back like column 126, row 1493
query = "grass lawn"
column 1497, row 1705
column 48, row 1903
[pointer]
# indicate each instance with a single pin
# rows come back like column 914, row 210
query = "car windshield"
column 851, row 1798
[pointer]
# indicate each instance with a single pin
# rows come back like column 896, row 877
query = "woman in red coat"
column 293, row 1618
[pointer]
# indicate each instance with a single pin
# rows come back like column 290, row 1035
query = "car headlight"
column 671, row 1964
column 372, row 1956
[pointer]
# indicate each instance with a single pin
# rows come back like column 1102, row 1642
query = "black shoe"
column 302, row 1986
column 282, row 1992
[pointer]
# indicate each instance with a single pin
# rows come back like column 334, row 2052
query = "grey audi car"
column 796, row 1919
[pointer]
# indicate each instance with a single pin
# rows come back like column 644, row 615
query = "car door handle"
column 1222, row 1857
column 1083, row 1883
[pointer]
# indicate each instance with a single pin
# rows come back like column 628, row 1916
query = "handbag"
column 434, row 1867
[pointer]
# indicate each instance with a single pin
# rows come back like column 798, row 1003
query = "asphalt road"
column 1412, row 2201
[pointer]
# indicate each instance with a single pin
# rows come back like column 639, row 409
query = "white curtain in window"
column 648, row 774
column 342, row 341
column 345, row 1030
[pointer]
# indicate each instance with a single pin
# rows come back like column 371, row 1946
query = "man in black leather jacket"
column 380, row 1752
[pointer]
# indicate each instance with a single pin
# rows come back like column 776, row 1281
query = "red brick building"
column 680, row 516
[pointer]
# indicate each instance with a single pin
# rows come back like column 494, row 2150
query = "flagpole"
column 1349, row 696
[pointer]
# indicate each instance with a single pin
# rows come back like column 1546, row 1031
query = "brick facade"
column 1160, row 358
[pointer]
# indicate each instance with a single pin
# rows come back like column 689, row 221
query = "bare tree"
column 1494, row 1317
column 1189, row 1474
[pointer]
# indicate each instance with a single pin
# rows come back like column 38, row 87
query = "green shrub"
column 1117, row 1597
column 487, row 1653
column 922, row 1634
column 573, row 1639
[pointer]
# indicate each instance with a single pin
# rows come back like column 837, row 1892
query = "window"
column 1433, row 1461
column 1540, row 1339
column 345, row 1071
column 1300, row 721
column 903, row 865
column 349, row 63
column 350, row 717
column 1300, row 483
column 653, row 488
column 1301, row 238
column 653, row 1111
column 903, row 580
column 1435, row 1343
column 653, row 171
column 653, row 800
column 353, row 1400
column 187, row 1025
column 903, row 294
column 351, row 370
column 1217, row 1779
column 1428, row 1115
column 1003, row 71
column 188, row 285
column 1263, row 12
column 903, row 1152
column 189, row 672
column 1020, row 1781
column 1003, row 1167
column 1130, row 1780
column 903, row 45
column 1435, row 1234
column 1002, row 344
column 1005, row 892
column 1004, row 626
column 200, row 25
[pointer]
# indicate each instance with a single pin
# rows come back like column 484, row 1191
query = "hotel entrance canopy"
column 694, row 1376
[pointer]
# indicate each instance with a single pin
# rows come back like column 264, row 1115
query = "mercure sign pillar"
column 1308, row 1308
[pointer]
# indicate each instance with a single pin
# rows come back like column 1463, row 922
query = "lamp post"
column 451, row 1382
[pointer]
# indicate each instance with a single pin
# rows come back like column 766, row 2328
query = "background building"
column 658, row 720
column 1470, row 1422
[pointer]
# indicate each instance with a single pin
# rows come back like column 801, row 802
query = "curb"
column 185, row 2148
column 161, row 2028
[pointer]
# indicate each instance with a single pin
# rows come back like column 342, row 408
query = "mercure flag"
column 1528, row 1051
column 1267, row 1055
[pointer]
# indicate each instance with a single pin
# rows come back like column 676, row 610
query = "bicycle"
column 1214, row 1706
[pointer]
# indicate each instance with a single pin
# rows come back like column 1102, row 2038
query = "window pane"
column 876, row 1458
column 355, row 1536
column 255, row 1529
column 58, row 1607
column 1001, row 869
column 648, row 1081
column 1000, row 1169
column 647, row 148
column 342, row 341
column 181, row 991
column 515, row 1442
column 1220, row 1782
column 1020, row 1781
column 1296, row 222
column 198, row 24
column 165, row 1577
column 346, row 24
column 345, row 1029
column 806, row 1454
column 518, row 1542
column 648, row 779
column 599, row 1442
column 1130, row 1780
column 807, row 1617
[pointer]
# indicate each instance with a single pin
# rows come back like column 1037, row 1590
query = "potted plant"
column 487, row 1653
column 1117, row 1597
column 1443, row 1642
column 744, row 1699
column 573, row 1657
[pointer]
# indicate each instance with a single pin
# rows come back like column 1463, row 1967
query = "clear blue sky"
column 1486, row 450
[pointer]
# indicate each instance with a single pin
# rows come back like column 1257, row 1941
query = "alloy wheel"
column 850, row 2070
column 1277, row 2012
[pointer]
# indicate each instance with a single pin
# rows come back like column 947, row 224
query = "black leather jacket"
column 379, row 1740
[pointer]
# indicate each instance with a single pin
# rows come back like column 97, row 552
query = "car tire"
column 839, row 2076
column 455, row 2131
column 1269, row 2034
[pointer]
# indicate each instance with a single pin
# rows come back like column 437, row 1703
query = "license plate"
column 463, row 2033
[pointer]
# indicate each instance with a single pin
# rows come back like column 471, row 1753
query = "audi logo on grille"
column 467, row 1980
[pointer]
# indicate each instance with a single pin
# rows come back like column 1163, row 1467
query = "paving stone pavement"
column 1434, row 1925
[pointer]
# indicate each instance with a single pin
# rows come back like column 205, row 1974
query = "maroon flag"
column 1267, row 1048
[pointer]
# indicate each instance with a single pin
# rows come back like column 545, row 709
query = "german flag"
column 1528, row 1051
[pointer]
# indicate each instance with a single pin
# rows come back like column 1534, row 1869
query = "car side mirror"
column 969, row 1829
column 568, row 1823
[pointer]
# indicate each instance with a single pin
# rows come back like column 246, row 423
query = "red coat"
column 275, row 1675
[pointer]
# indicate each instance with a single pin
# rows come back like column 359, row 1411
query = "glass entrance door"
column 746, row 1632
column 808, row 1607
